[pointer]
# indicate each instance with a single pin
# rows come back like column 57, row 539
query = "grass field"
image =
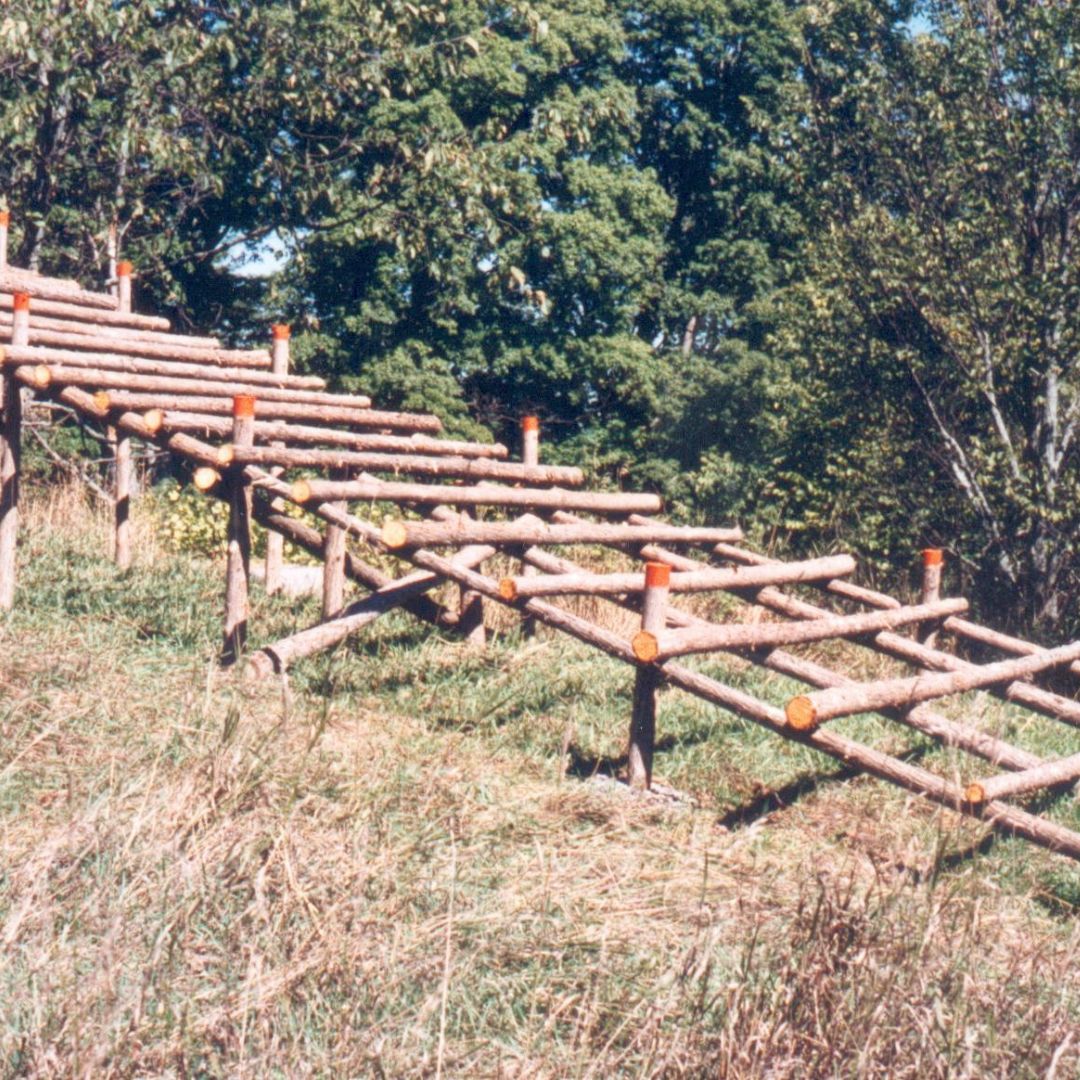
column 410, row 861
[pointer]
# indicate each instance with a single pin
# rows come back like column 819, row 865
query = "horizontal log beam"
column 1006, row 642
column 23, row 355
column 807, row 711
column 368, row 419
column 151, row 350
column 368, row 490
column 104, row 379
column 584, row 583
column 103, row 331
column 1045, row 775
column 650, row 648
column 74, row 312
column 12, row 281
column 405, row 534
column 283, row 431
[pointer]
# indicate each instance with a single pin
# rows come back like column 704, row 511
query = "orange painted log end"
column 394, row 534
column 646, row 647
column 154, row 419
column 20, row 301
column 5, row 218
column 657, row 575
column 243, row 407
column 124, row 269
column 933, row 557
column 800, row 714
column 102, row 401
column 508, row 589
column 280, row 331
column 300, row 491
column 204, row 478
column 975, row 794
column 530, row 423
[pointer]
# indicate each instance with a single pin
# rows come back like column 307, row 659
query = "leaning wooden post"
column 933, row 560
column 10, row 455
column 122, row 467
column 5, row 222
column 333, row 593
column 123, row 285
column 647, row 679
column 239, row 550
column 530, row 455
column 275, row 542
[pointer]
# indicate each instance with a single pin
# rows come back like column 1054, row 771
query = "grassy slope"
column 397, row 866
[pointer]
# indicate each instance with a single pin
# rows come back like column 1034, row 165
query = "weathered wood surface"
column 807, row 711
column 17, row 356
column 124, row 471
column 238, row 550
column 70, row 312
column 370, row 489
column 368, row 419
column 647, row 679
column 704, row 580
column 1046, row 774
column 44, row 288
column 701, row 639
column 96, row 378
column 282, row 431
column 403, row 534
column 102, row 331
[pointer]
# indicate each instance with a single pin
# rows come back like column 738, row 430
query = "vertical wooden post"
column 933, row 563
column 11, row 454
column 333, row 592
column 123, row 469
column 5, row 222
column 530, row 455
column 110, row 249
column 275, row 542
column 647, row 680
column 471, row 617
column 238, row 560
column 123, row 284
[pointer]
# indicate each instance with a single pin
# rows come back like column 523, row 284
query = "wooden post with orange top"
column 11, row 454
column 647, row 680
column 275, row 542
column 933, row 560
column 123, row 470
column 5, row 222
column 123, row 285
column 238, row 560
column 530, row 455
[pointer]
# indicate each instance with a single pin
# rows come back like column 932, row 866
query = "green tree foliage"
column 939, row 312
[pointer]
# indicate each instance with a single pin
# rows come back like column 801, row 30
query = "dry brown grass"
column 384, row 872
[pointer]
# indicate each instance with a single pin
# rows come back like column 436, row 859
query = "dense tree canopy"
column 810, row 264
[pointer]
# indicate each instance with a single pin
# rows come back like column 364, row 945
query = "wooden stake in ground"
column 10, row 460
column 238, row 562
column 123, row 286
column 122, row 467
column 275, row 542
column 647, row 680
column 933, row 560
column 471, row 617
column 530, row 455
column 333, row 583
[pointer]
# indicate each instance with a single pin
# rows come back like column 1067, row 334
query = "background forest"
column 809, row 266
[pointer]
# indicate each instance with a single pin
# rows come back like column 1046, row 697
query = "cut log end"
column 394, row 534
column 975, row 794
column 800, row 714
column 102, row 402
column 300, row 491
column 646, row 647
column 508, row 589
column 41, row 377
column 225, row 455
column 154, row 419
column 204, row 478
